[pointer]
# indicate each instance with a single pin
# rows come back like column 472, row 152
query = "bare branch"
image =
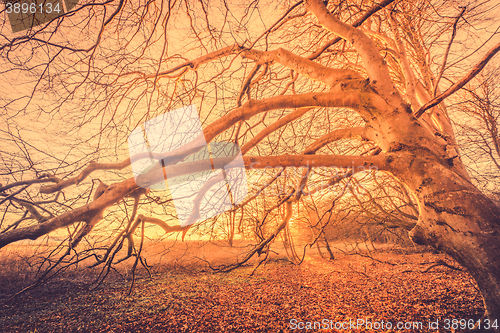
column 304, row 66
column 356, row 24
column 445, row 58
column 350, row 99
column 192, row 64
column 462, row 82
column 251, row 108
column 405, row 64
column 375, row 66
column 114, row 194
column 343, row 133
column 273, row 127
column 360, row 163
column 118, row 191
column 28, row 182
column 93, row 166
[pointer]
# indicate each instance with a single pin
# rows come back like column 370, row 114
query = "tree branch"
column 192, row 64
column 118, row 191
column 343, row 133
column 28, row 182
column 377, row 69
column 251, row 108
column 359, row 163
column 404, row 64
column 338, row 134
column 445, row 58
column 462, row 82
column 273, row 127
column 356, row 24
column 304, row 66
column 350, row 99
column 93, row 166
column 113, row 194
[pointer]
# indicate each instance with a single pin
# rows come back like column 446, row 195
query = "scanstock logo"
column 197, row 195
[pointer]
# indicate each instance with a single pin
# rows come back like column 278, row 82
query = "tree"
column 478, row 136
column 345, row 85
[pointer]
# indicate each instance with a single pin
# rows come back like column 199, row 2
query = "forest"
column 250, row 166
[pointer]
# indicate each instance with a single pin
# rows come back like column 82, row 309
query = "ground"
column 276, row 298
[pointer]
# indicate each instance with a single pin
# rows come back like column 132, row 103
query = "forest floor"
column 278, row 297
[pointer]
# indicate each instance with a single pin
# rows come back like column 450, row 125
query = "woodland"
column 367, row 147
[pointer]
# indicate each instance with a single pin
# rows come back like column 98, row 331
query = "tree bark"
column 456, row 218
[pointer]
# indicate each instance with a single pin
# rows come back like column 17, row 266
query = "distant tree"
column 353, row 85
column 477, row 122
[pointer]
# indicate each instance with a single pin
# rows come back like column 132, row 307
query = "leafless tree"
column 477, row 122
column 353, row 86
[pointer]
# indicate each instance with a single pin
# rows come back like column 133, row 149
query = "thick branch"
column 405, row 65
column 351, row 99
column 117, row 192
column 162, row 224
column 375, row 66
column 28, row 182
column 370, row 12
column 193, row 64
column 304, row 66
column 93, row 166
column 359, row 163
column 114, row 194
column 34, row 213
column 251, row 108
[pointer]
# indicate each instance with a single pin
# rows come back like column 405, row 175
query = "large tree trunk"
column 456, row 218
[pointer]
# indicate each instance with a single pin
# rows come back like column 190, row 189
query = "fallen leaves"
column 347, row 288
